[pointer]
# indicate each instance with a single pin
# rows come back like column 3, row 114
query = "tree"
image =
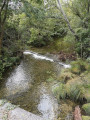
column 3, row 16
column 66, row 19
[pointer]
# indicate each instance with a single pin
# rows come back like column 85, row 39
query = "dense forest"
column 38, row 23
column 60, row 25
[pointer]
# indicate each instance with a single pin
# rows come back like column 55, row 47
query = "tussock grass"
column 80, row 66
column 74, row 86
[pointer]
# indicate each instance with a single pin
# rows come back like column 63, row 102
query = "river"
column 27, row 84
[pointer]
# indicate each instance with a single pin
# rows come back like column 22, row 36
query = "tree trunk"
column 66, row 19
column 2, row 20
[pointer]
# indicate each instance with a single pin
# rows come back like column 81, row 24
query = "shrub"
column 39, row 38
column 77, row 88
column 60, row 92
column 86, row 108
column 79, row 66
column 65, row 75
column 83, row 45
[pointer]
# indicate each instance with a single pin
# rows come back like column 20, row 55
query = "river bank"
column 52, row 72
column 76, row 87
column 74, row 84
column 7, row 62
column 34, row 72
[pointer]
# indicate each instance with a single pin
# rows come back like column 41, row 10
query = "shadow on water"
column 27, row 86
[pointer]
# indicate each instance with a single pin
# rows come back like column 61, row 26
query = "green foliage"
column 79, row 66
column 11, row 45
column 75, row 92
column 85, row 117
column 69, row 43
column 79, row 13
column 83, row 45
column 72, row 86
column 42, row 25
column 39, row 38
column 7, row 62
column 60, row 91
column 86, row 108
column 38, row 24
column 50, row 79
column 65, row 76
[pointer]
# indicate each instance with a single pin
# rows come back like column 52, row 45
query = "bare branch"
column 65, row 17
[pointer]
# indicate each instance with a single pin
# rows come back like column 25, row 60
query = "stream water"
column 27, row 85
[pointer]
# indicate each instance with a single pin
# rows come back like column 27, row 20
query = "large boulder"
column 12, row 112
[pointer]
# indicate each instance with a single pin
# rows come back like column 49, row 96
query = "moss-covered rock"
column 86, row 108
column 85, row 117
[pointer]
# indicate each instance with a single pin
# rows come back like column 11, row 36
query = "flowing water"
column 27, row 85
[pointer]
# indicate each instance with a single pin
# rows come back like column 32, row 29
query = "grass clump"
column 65, row 76
column 85, row 117
column 74, row 86
column 60, row 91
column 74, row 92
column 80, row 66
column 86, row 108
column 50, row 79
column 77, row 92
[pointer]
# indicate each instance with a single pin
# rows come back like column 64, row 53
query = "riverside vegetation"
column 52, row 26
column 74, row 84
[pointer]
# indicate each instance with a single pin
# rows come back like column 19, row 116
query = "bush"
column 86, row 108
column 83, row 44
column 65, row 75
column 72, row 86
column 79, row 66
column 60, row 92
column 74, row 92
column 39, row 38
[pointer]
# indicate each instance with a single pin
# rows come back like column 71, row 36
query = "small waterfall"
column 42, row 57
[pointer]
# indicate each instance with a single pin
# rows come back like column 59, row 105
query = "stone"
column 20, row 114
column 12, row 112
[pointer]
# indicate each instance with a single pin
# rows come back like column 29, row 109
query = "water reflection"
column 18, row 81
column 47, row 105
column 27, row 86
